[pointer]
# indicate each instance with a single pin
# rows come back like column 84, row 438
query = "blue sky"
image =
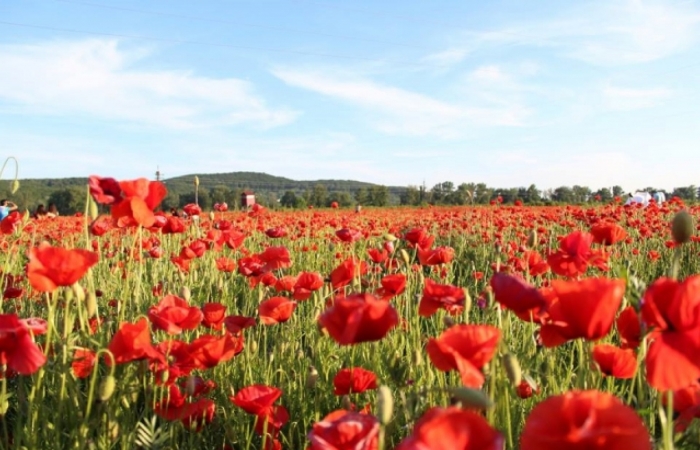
column 395, row 92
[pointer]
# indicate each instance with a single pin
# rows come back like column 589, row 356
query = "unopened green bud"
column 79, row 292
column 471, row 398
column 15, row 186
column 532, row 238
column 91, row 304
column 682, row 227
column 196, row 181
column 93, row 211
column 512, row 366
column 107, row 388
column 390, row 237
column 404, row 256
column 185, row 293
column 311, row 377
column 346, row 403
column 385, row 405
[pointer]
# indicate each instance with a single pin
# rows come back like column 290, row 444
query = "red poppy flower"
column 270, row 424
column 452, row 428
column 608, row 233
column 224, row 264
column 614, row 361
column 348, row 235
column 213, row 315
column 50, row 267
column 629, row 328
column 436, row 296
column 276, row 310
column 140, row 199
column 83, row 362
column 10, row 223
column 209, row 351
column 575, row 255
column 420, row 238
column 347, row 271
column 235, row 324
column 435, row 256
column 286, row 283
column 513, row 293
column 192, row 209
column 173, row 315
column 192, row 415
column 582, row 309
column 276, row 232
column 344, row 429
column 535, row 264
column 354, row 381
column 105, row 191
column 275, row 258
column 466, row 349
column 256, row 399
column 17, row 347
column 133, row 342
column 672, row 309
column 392, row 285
column 378, row 256
column 686, row 402
column 306, row 284
column 590, row 420
column 358, row 318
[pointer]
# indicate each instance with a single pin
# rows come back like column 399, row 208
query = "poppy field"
column 491, row 327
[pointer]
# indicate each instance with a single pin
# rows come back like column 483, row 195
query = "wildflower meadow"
column 424, row 328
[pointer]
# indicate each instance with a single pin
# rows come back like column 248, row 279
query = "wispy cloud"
column 607, row 33
column 401, row 112
column 626, row 99
column 99, row 78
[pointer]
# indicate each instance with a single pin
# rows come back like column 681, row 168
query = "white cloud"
column 98, row 78
column 626, row 99
column 404, row 112
column 447, row 57
column 608, row 33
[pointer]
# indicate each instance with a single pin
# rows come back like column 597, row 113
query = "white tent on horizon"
column 644, row 198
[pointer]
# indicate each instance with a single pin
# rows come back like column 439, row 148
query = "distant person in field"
column 6, row 207
column 53, row 211
column 40, row 212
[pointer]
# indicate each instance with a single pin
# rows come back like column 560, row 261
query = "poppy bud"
column 190, row 385
column 211, row 215
column 79, row 292
column 91, row 304
column 15, row 186
column 346, row 403
column 253, row 346
column 311, row 377
column 185, row 293
column 512, row 366
column 196, row 181
column 390, row 237
column 467, row 302
column 532, row 238
column 93, row 211
column 682, row 227
column 404, row 256
column 471, row 398
column 385, row 405
column 448, row 321
column 417, row 360
column 107, row 388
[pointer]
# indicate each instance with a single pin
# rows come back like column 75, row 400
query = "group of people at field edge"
column 43, row 213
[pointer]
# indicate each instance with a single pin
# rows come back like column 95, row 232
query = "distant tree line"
column 69, row 195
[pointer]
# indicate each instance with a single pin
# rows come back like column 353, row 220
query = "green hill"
column 69, row 193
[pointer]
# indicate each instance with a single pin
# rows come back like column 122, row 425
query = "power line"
column 214, row 44
column 243, row 24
